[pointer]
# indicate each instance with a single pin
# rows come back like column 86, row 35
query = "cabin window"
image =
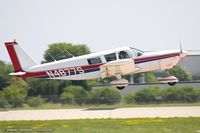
column 95, row 60
column 110, row 57
column 123, row 55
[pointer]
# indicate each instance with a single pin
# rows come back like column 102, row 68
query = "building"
column 191, row 63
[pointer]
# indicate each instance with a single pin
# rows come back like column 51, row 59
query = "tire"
column 120, row 87
column 172, row 83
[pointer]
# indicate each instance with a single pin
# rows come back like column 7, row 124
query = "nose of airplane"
column 183, row 53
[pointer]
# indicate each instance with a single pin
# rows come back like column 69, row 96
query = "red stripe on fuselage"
column 156, row 57
column 13, row 56
column 138, row 60
column 36, row 74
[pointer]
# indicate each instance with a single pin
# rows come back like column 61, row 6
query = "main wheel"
column 120, row 87
column 172, row 83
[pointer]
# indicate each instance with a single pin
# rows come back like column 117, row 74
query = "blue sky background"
column 149, row 25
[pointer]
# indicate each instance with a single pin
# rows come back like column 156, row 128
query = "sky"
column 149, row 25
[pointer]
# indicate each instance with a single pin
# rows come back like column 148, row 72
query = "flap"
column 119, row 62
column 118, row 67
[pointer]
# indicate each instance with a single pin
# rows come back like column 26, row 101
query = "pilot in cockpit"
column 123, row 55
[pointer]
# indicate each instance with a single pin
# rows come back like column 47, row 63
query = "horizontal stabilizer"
column 17, row 74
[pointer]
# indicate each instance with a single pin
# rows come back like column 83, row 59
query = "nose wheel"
column 172, row 83
column 170, row 80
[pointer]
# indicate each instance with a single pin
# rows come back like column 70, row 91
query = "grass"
column 120, row 105
column 139, row 125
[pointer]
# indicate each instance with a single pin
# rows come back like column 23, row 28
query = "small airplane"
column 110, row 63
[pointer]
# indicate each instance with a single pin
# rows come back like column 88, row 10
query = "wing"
column 118, row 67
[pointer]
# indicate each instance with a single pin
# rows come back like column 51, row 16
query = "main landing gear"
column 119, row 83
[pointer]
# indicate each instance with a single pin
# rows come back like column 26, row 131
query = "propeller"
column 182, row 54
column 181, row 50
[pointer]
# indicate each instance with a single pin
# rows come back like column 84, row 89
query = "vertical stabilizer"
column 19, row 57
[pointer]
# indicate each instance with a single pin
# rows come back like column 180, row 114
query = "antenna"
column 69, row 53
column 14, row 41
column 51, row 56
column 181, row 50
column 182, row 59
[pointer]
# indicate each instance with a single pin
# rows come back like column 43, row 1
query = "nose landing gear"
column 170, row 80
column 172, row 83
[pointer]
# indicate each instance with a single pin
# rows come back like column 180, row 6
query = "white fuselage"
column 88, row 66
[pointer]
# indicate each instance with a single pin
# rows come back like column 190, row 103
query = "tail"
column 19, row 57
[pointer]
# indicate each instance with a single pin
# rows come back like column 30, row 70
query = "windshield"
column 123, row 55
column 136, row 52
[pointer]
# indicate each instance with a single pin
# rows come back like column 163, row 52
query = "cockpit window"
column 110, row 57
column 137, row 52
column 123, row 55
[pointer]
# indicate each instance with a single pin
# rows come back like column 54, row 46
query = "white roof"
column 90, row 55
